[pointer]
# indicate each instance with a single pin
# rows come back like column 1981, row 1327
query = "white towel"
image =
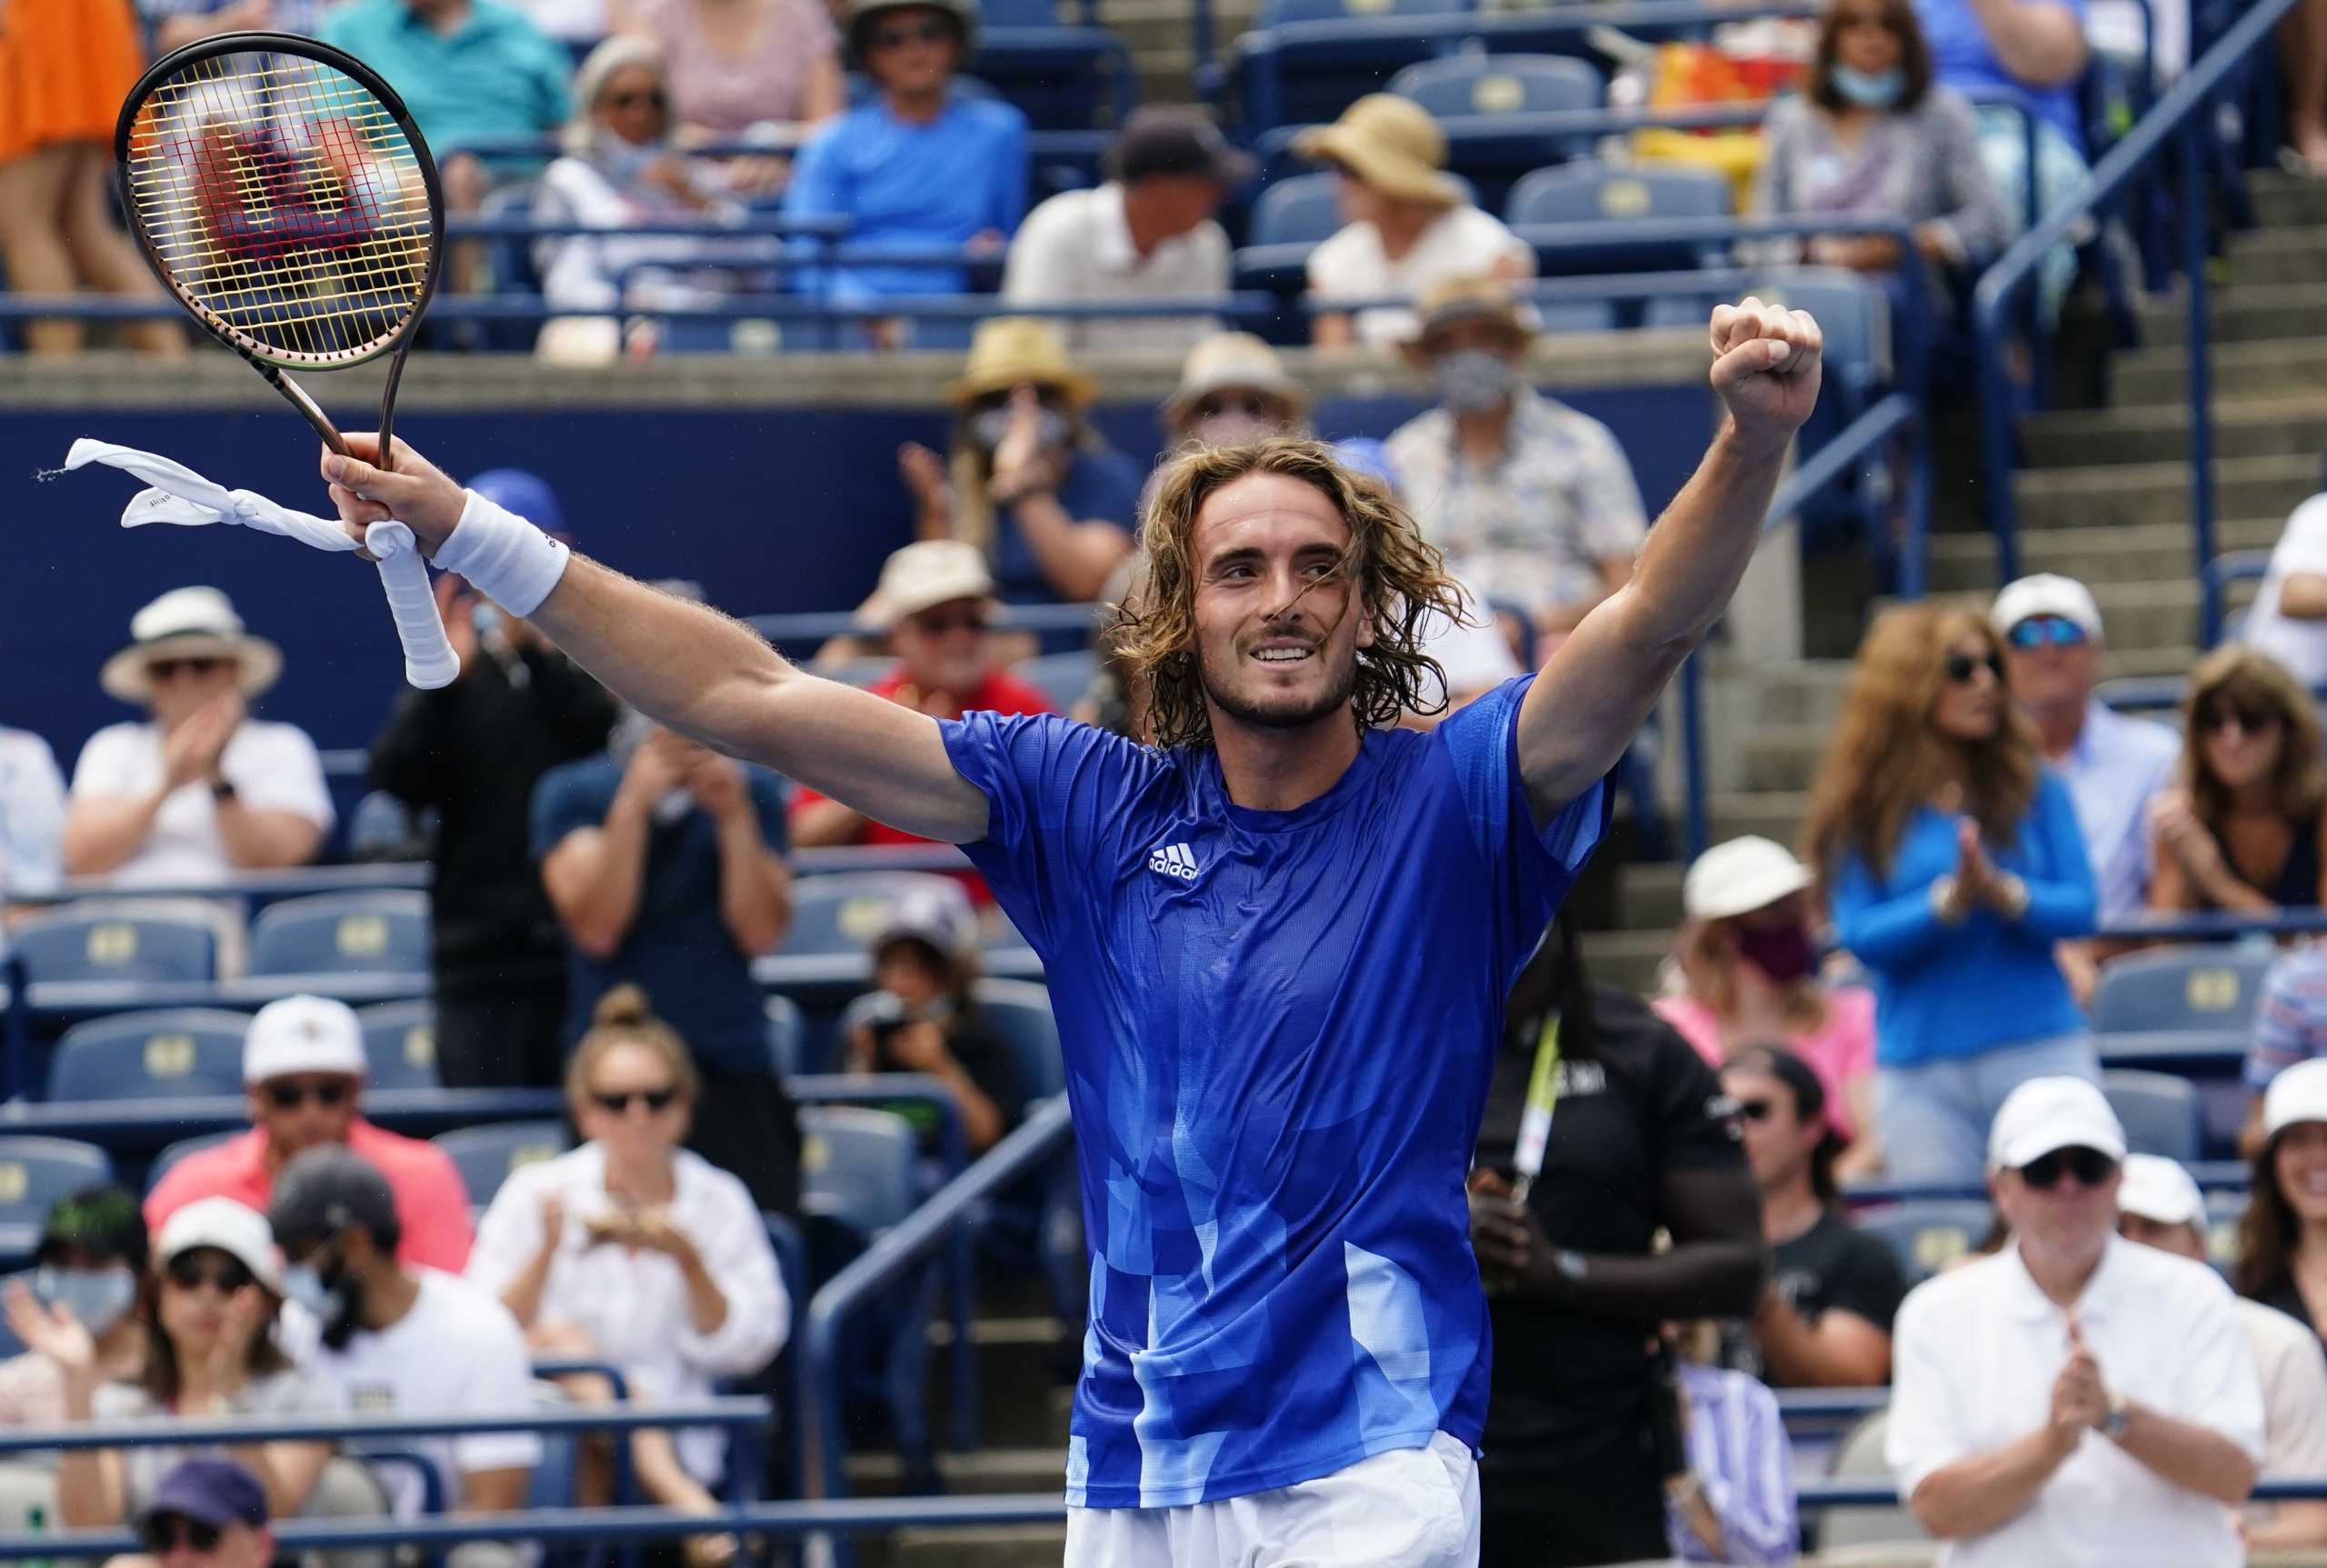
column 184, row 498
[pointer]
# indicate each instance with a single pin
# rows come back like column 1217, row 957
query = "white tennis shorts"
column 1409, row 1508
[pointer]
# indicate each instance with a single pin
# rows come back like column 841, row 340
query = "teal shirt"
column 496, row 77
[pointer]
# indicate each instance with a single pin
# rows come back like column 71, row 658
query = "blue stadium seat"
column 1019, row 1012
column 2207, row 987
column 791, row 1266
column 859, row 1172
column 1471, row 94
column 485, row 1155
column 1064, row 678
column 1299, row 210
column 2160, row 1112
column 842, row 912
column 399, row 1044
column 1062, row 78
column 34, row 1173
column 1336, row 53
column 1928, row 1233
column 172, row 1052
column 116, row 944
column 1546, row 203
column 384, row 932
column 2224, row 1211
column 1578, row 315
column 787, row 1031
column 510, row 262
column 178, row 1150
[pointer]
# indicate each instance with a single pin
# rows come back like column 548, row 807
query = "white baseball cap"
column 235, row 1229
column 2046, row 594
column 941, row 917
column 2297, row 1095
column 2158, row 1189
column 1741, row 877
column 2047, row 1113
column 302, row 1034
column 923, row 576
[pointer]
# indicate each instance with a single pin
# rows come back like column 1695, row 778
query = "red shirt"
column 431, row 1206
column 998, row 693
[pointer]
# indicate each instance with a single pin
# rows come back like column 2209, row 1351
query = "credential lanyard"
column 1535, row 1119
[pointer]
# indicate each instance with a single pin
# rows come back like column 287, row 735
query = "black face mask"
column 1783, row 952
column 328, row 1288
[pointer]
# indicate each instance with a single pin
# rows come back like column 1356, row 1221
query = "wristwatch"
column 2120, row 1417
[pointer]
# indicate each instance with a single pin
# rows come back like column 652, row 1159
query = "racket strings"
column 284, row 202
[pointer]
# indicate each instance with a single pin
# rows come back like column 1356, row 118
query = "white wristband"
column 504, row 557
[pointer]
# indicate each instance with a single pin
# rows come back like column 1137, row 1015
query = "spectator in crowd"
column 174, row 23
column 745, row 69
column 1524, row 495
column 1643, row 1140
column 1233, row 387
column 2073, row 1399
column 633, row 1251
column 208, row 1317
column 1028, row 481
column 2112, row 765
column 32, row 818
column 90, row 1265
column 918, row 164
column 207, row 1513
column 2159, row 1205
column 64, row 67
column 1747, row 959
column 404, row 1340
column 1953, row 863
column 664, row 863
column 2290, row 1027
column 1408, row 223
column 1871, row 138
column 200, row 791
column 1824, row 1321
column 472, row 72
column 1146, row 233
column 2240, row 831
column 923, row 1018
column 1732, row 1499
column 2282, row 1237
column 2303, row 57
column 2288, row 619
column 622, row 170
column 472, row 752
column 302, row 1076
column 935, row 602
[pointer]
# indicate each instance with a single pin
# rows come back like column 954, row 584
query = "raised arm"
column 688, row 666
column 1604, row 680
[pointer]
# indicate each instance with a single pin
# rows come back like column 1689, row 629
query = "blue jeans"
column 1933, row 1119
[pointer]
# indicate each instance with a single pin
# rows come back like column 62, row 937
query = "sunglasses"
column 653, row 98
column 930, row 32
column 1755, row 1110
column 171, row 669
column 291, row 1095
column 2251, row 721
column 2090, row 1166
column 953, row 621
column 2047, row 632
column 617, row 1104
column 189, row 1272
column 1961, row 667
column 161, row 1533
column 1252, row 405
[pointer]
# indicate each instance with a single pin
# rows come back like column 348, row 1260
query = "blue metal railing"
column 2214, row 580
column 2183, row 122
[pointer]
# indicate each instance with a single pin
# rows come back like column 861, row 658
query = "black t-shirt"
column 1568, row 1385
column 986, row 1060
column 1833, row 1264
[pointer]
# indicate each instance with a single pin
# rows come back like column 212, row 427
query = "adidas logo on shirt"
column 1174, row 860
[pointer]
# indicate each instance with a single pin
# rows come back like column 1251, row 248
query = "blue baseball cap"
column 527, row 494
column 214, row 1492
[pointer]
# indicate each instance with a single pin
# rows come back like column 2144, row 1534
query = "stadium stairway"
column 2103, row 497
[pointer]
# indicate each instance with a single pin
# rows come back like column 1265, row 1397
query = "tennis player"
column 1278, row 943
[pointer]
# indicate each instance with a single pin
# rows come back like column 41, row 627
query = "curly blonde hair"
column 1401, row 581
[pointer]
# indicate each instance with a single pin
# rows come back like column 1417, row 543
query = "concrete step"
column 1780, row 757
column 2247, row 314
column 2256, row 427
column 2290, row 367
column 986, row 1546
column 983, row 1473
column 1628, row 960
column 2135, row 493
column 1022, row 1359
column 2147, row 553
column 2287, row 201
column 1804, row 691
column 2295, row 253
column 1648, row 894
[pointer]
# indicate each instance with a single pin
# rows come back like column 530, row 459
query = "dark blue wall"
column 770, row 509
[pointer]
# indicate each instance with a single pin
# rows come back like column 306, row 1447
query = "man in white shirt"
column 200, row 791
column 398, row 1341
column 32, row 817
column 2160, row 1206
column 2074, row 1399
column 1147, row 234
column 2289, row 617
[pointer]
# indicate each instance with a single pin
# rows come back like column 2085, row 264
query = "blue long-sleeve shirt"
column 906, row 188
column 1946, row 991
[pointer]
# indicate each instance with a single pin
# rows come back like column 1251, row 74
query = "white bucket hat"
column 1741, row 877
column 188, row 623
column 235, row 1229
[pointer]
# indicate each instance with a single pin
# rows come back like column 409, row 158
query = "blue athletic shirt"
column 1279, row 1028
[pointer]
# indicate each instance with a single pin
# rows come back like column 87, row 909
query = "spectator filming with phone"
column 923, row 1018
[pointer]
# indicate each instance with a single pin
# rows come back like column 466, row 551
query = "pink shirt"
column 726, row 96
column 431, row 1203
column 1840, row 1052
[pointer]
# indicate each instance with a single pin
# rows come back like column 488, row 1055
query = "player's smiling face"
column 1278, row 621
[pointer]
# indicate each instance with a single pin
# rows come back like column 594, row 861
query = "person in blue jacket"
column 1953, row 863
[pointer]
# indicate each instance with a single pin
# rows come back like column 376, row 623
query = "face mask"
column 1785, row 953
column 1879, row 90
column 336, row 1299
column 1472, row 380
column 624, row 162
column 988, row 427
column 98, row 1298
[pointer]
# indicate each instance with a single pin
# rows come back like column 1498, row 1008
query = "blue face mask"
column 1878, row 90
column 98, row 1298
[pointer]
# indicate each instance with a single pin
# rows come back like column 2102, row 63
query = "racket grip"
column 429, row 660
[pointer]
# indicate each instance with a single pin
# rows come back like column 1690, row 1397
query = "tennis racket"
column 283, row 195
